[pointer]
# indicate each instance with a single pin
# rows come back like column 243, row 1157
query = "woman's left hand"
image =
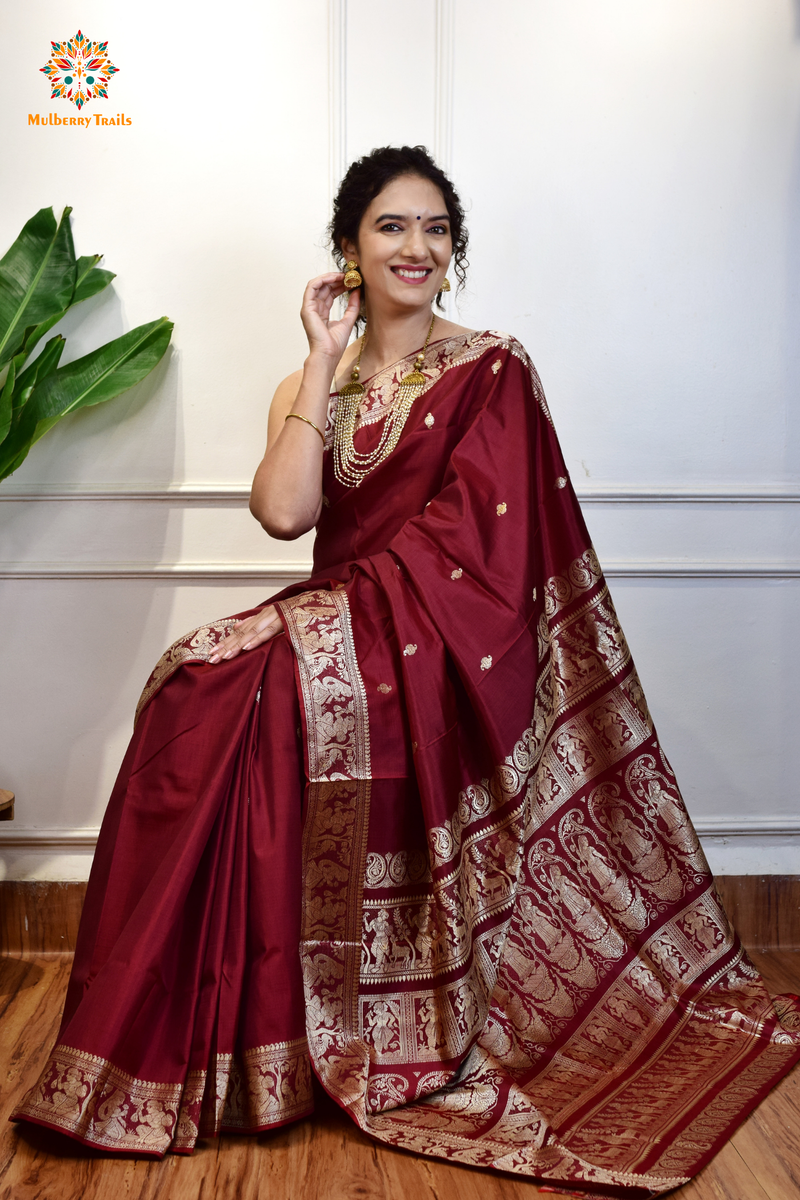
column 249, row 633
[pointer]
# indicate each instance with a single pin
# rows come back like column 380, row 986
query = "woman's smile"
column 411, row 274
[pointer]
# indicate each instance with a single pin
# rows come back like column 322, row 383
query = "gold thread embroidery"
column 88, row 1096
column 196, row 646
column 335, row 832
column 335, row 699
column 429, row 420
column 410, row 649
column 397, row 870
column 502, row 508
column 457, row 573
column 486, row 662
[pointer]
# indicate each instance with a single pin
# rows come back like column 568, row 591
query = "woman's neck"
column 391, row 338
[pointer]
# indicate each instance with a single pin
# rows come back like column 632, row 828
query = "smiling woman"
column 409, row 821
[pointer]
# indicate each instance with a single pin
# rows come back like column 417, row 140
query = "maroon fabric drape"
column 511, row 952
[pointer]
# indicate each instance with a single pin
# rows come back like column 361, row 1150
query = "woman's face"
column 404, row 244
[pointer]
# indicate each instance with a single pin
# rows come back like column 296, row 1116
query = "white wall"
column 632, row 175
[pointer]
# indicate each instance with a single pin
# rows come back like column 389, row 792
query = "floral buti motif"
column 486, row 662
column 561, row 482
column 410, row 649
column 502, row 508
column 429, row 420
column 457, row 573
column 384, row 688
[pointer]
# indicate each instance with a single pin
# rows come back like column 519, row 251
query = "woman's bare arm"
column 287, row 490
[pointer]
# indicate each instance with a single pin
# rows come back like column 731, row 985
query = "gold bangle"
column 300, row 417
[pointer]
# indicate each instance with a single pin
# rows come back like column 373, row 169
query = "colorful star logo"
column 79, row 70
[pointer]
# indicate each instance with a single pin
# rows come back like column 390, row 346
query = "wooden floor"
column 325, row 1157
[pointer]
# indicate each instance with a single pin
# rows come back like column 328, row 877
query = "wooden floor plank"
column 770, row 1141
column 726, row 1178
column 780, row 969
column 325, row 1157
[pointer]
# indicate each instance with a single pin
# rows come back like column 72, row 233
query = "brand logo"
column 79, row 70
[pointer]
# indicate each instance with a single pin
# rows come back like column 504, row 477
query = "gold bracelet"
column 300, row 417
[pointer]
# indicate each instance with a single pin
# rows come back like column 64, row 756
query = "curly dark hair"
column 368, row 176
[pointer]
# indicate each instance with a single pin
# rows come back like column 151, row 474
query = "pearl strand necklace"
column 349, row 466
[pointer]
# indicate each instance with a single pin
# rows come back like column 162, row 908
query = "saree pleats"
column 494, row 933
column 185, row 1013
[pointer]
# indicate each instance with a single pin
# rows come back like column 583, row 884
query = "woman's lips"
column 412, row 275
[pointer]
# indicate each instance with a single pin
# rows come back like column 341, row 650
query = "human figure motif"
column 431, row 1023
column 380, row 945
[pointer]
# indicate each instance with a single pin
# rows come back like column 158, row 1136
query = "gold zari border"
column 90, row 1098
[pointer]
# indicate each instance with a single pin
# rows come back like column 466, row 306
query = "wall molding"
column 239, row 494
column 50, row 839
column 278, row 573
column 283, row 573
column 337, row 97
column 730, row 826
column 68, row 840
column 443, row 93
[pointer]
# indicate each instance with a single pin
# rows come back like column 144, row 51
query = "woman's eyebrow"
column 403, row 217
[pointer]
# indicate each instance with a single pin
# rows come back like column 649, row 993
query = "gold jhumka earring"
column 350, row 467
column 352, row 275
column 445, row 285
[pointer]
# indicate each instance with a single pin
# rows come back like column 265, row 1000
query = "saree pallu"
column 426, row 843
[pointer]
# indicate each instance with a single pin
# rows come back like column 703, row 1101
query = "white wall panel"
column 391, row 74
column 631, row 176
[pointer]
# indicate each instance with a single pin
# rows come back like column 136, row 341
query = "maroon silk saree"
column 425, row 843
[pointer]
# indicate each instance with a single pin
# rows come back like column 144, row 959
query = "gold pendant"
column 414, row 379
column 351, row 389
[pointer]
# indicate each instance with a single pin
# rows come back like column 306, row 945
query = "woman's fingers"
column 325, row 287
column 248, row 634
column 325, row 334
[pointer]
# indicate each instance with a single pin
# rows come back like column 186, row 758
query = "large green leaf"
column 6, row 408
column 14, row 449
column 16, row 427
column 88, row 282
column 100, row 375
column 90, row 279
column 37, row 278
column 41, row 367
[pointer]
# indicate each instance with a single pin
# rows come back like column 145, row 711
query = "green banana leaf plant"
column 40, row 281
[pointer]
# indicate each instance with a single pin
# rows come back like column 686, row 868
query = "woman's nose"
column 414, row 242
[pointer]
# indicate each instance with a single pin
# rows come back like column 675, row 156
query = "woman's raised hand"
column 249, row 633
column 326, row 337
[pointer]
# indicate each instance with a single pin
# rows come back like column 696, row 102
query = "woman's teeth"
column 411, row 274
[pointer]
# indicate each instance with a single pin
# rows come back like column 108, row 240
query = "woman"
column 432, row 768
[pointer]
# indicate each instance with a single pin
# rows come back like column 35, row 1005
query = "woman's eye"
column 437, row 229
column 389, row 226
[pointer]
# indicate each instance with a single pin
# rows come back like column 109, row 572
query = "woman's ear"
column 349, row 249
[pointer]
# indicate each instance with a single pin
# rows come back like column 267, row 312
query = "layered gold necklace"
column 349, row 466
